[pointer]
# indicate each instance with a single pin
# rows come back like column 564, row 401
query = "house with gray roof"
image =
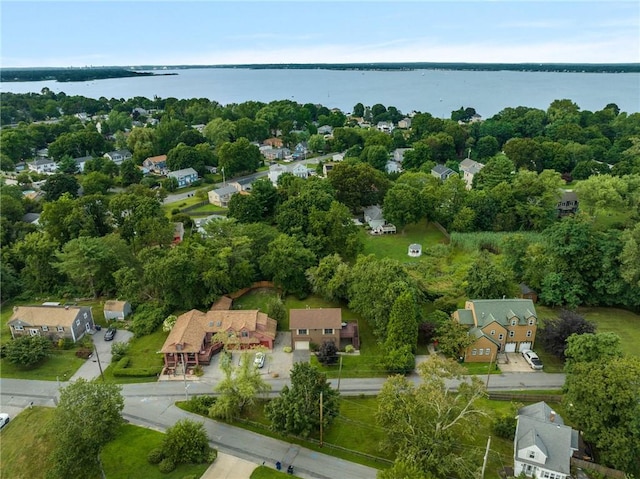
column 469, row 168
column 442, row 172
column 118, row 156
column 543, row 444
column 184, row 177
column 221, row 196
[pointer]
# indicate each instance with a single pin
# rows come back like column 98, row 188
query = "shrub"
column 213, row 455
column 186, row 442
column 166, row 466
column 505, row 427
column 198, row 371
column 314, row 347
column 276, row 309
column 448, row 305
column 399, row 360
column 147, row 318
column 138, row 372
column 155, row 456
column 175, row 211
column 119, row 350
column 349, row 348
column 287, row 349
column 200, row 404
column 122, row 363
column 65, row 343
column 328, row 353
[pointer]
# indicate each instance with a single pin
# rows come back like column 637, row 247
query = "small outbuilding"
column 116, row 310
column 415, row 250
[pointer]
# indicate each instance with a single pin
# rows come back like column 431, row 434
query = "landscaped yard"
column 396, row 245
column 143, row 353
column 27, row 442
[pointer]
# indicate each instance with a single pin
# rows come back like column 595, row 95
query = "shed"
column 415, row 250
column 527, row 293
column 117, row 310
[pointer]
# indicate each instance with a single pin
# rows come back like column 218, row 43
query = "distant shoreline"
column 101, row 73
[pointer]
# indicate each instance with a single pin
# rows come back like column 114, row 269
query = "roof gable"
column 502, row 310
column 47, row 315
column 315, row 318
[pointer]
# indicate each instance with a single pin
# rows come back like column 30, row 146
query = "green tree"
column 297, row 409
column 630, row 256
column 602, row 191
column 330, row 278
column 87, row 417
column 186, row 442
column 424, row 423
column 239, row 388
column 496, row 170
column 453, row 338
column 58, row 184
column 96, row 183
column 238, row 157
column 67, row 165
column 245, row 208
column 358, row 185
column 27, row 351
column 375, row 155
column 286, row 263
column 317, row 143
column 37, row 258
column 602, row 397
column 404, row 205
column 403, row 323
column 130, row 173
column 554, row 332
column 485, row 280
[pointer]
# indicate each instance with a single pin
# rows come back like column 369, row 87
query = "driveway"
column 514, row 363
column 227, row 466
column 91, row 368
column 278, row 364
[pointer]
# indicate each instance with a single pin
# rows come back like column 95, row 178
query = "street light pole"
column 99, row 364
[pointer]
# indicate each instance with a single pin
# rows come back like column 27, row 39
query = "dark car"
column 110, row 334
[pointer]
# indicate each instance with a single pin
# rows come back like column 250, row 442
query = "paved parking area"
column 278, row 364
column 229, row 467
column 514, row 363
column 91, row 369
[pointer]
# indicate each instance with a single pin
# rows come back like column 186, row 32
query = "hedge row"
column 121, row 370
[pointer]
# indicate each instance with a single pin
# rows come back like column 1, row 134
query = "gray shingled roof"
column 503, row 310
column 553, row 440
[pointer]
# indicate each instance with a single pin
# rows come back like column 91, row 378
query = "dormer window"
column 532, row 454
column 532, row 321
column 178, row 347
column 514, row 322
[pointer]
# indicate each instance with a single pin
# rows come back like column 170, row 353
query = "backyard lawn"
column 396, row 245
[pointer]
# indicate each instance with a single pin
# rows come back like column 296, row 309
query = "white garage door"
column 301, row 345
column 524, row 346
column 510, row 348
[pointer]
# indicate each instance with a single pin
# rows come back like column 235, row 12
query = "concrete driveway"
column 514, row 363
column 91, row 369
column 227, row 466
column 278, row 364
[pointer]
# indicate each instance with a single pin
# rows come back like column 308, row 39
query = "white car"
column 532, row 358
column 259, row 360
column 4, row 419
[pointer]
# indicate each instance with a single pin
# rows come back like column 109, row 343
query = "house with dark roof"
column 52, row 321
column 543, row 444
column 568, row 203
column 497, row 325
column 319, row 325
column 192, row 340
column 118, row 156
column 442, row 172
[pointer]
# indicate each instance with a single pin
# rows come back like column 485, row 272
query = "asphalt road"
column 152, row 405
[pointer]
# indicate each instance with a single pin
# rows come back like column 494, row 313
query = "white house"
column 81, row 161
column 221, row 196
column 543, row 445
column 43, row 166
column 300, row 170
column 184, row 177
column 118, row 156
column 398, row 154
column 373, row 216
column 393, row 167
column 469, row 168
column 275, row 171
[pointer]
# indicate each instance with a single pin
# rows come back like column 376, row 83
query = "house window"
column 512, row 334
column 45, row 328
column 60, row 329
column 532, row 322
column 18, row 327
column 493, row 332
column 34, row 332
column 529, row 334
column 303, row 332
column 514, row 322
column 78, row 322
column 86, row 315
column 328, row 331
column 244, row 334
column 545, row 475
column 480, row 352
column 487, row 351
column 500, row 336
column 532, row 454
column 474, row 352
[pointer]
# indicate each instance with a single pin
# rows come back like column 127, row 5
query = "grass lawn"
column 625, row 324
column 396, row 245
column 60, row 364
column 26, row 442
column 126, row 457
column 142, row 354
column 264, row 472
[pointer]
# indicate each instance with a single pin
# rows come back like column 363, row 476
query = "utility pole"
column 99, row 364
column 339, row 373
column 489, row 372
column 486, row 455
column 321, row 418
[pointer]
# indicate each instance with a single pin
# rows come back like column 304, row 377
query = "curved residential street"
column 152, row 405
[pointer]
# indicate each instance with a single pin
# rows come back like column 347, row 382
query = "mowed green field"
column 396, row 246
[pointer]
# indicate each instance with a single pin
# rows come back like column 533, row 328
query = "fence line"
column 592, row 466
column 555, row 398
column 443, row 231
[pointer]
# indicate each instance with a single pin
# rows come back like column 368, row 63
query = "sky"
column 152, row 32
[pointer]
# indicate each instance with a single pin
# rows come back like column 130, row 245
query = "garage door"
column 302, row 345
column 524, row 346
column 510, row 348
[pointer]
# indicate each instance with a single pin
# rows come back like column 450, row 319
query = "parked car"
column 110, row 334
column 532, row 358
column 259, row 359
column 4, row 419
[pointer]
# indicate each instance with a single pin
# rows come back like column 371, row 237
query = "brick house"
column 498, row 325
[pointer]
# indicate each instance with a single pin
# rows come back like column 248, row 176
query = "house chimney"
column 552, row 416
